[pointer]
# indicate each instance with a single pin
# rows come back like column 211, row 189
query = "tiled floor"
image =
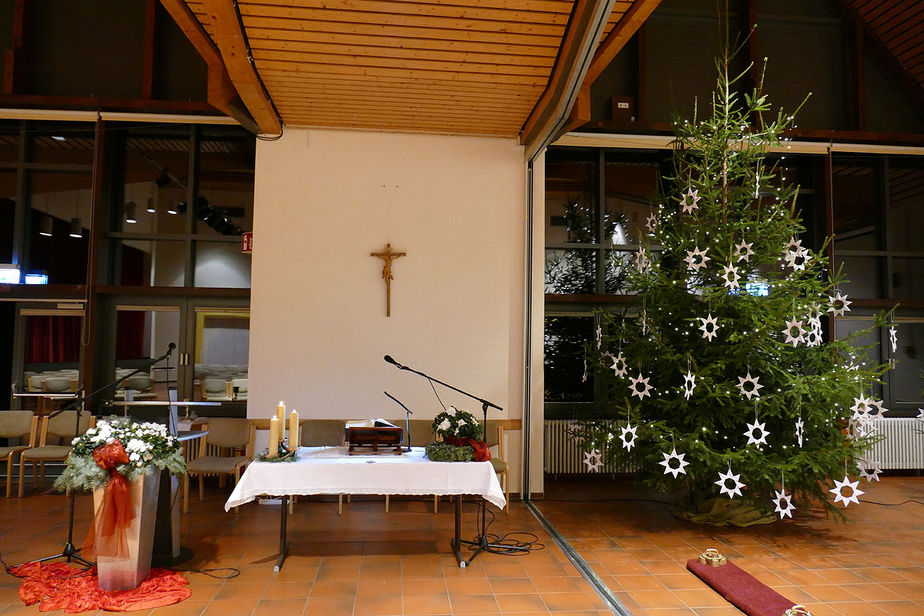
column 369, row 563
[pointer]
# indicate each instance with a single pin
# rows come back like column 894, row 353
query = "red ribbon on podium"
column 107, row 532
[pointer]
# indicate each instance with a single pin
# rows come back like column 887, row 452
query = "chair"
column 224, row 433
column 16, row 425
column 56, row 384
column 57, row 428
column 323, row 433
column 494, row 436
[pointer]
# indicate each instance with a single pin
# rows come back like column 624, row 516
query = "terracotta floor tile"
column 274, row 607
column 514, row 586
column 286, row 590
column 857, row 608
column 378, row 606
column 701, row 598
column 183, row 608
column 333, row 588
column 423, row 587
column 657, row 598
column 640, row 582
column 230, row 591
column 569, row 601
column 329, row 606
column 476, row 586
column 427, row 604
column 474, row 604
column 236, row 607
column 520, row 603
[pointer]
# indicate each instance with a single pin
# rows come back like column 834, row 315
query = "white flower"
column 134, row 457
column 443, row 426
column 451, row 411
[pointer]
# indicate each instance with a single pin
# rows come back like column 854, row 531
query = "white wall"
column 325, row 199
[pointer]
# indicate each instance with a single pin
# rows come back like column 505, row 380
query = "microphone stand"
column 69, row 551
column 407, row 418
column 481, row 541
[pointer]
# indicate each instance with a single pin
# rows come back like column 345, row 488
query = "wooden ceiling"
column 438, row 66
column 899, row 26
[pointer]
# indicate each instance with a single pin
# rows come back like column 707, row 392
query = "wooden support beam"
column 221, row 92
column 150, row 36
column 13, row 57
column 232, row 44
column 621, row 33
column 585, row 27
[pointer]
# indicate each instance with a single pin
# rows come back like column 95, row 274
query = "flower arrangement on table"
column 120, row 444
column 462, row 438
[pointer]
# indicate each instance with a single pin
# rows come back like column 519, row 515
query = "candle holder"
column 284, row 454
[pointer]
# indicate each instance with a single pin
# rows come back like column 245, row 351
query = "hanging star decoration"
column 689, row 201
column 743, row 251
column 598, row 336
column 869, row 470
column 798, row 337
column 838, row 304
column 709, row 327
column 783, row 502
column 689, row 384
column 800, row 431
column 813, row 337
column 838, row 491
column 696, row 259
column 730, row 277
column 669, row 468
column 652, row 223
column 584, row 377
column 619, row 366
column 876, row 408
column 627, row 435
column 753, row 391
column 639, row 386
column 733, row 490
column 641, row 260
column 761, row 429
column 593, row 460
column 893, row 338
column 644, row 319
column 798, row 259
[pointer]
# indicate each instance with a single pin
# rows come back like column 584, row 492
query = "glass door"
column 219, row 339
column 144, row 333
column 51, row 348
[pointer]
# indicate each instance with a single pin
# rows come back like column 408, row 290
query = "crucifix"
column 388, row 256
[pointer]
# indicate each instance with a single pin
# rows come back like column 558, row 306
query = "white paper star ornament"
column 893, row 338
column 752, row 391
column 689, row 201
column 652, row 223
column 730, row 277
column 639, row 386
column 670, row 468
column 869, row 470
column 743, row 251
column 838, row 491
column 709, row 326
column 731, row 490
column 593, row 460
column 641, row 260
column 800, row 431
column 794, row 338
column 689, row 384
column 619, row 366
column 838, row 304
column 696, row 259
column 627, row 435
column 783, row 502
column 761, row 429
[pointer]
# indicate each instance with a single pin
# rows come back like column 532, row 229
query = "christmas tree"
column 720, row 380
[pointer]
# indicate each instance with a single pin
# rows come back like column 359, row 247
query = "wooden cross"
column 388, row 256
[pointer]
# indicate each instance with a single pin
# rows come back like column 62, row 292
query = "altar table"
column 331, row 470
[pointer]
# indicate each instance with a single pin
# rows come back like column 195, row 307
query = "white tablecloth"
column 331, row 470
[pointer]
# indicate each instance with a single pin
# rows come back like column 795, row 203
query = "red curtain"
column 52, row 339
column 130, row 338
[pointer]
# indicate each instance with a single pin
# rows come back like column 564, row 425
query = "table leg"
column 283, row 541
column 457, row 541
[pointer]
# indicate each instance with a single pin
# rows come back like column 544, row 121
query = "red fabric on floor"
column 741, row 589
column 60, row 587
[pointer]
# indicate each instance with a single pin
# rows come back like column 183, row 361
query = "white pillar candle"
column 273, row 438
column 293, row 430
column 281, row 414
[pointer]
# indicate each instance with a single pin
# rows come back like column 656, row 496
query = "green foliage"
column 443, row 452
column 457, row 422
column 743, row 205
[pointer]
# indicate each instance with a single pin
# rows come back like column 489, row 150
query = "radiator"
column 903, row 445
column 563, row 454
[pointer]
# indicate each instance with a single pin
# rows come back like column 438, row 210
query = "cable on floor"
column 910, row 500
column 232, row 572
column 511, row 544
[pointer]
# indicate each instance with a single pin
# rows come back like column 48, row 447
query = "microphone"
column 389, row 359
column 170, row 348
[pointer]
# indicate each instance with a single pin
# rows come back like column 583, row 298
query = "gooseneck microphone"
column 389, row 359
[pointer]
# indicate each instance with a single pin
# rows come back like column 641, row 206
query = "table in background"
column 331, row 470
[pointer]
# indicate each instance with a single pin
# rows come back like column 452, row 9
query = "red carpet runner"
column 59, row 587
column 741, row 589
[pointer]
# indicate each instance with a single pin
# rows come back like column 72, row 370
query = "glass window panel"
column 571, row 196
column 565, row 337
column 617, row 264
column 142, row 335
column 222, row 354
column 221, row 264
column 863, row 275
column 59, row 203
column 7, row 214
column 856, row 199
column 905, row 378
column 149, row 263
column 224, row 205
column 51, row 355
column 907, row 279
column 156, row 170
column 570, row 271
column 65, row 143
column 9, row 142
column 906, row 202
column 869, row 343
column 631, row 187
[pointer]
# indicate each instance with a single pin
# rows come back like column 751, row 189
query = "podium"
column 167, row 551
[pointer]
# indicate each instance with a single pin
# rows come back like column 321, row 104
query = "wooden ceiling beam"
column 232, row 44
column 621, row 33
column 220, row 91
column 585, row 28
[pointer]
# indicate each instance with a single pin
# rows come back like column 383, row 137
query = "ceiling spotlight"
column 130, row 213
column 150, row 208
column 58, row 138
column 76, row 228
column 46, row 225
